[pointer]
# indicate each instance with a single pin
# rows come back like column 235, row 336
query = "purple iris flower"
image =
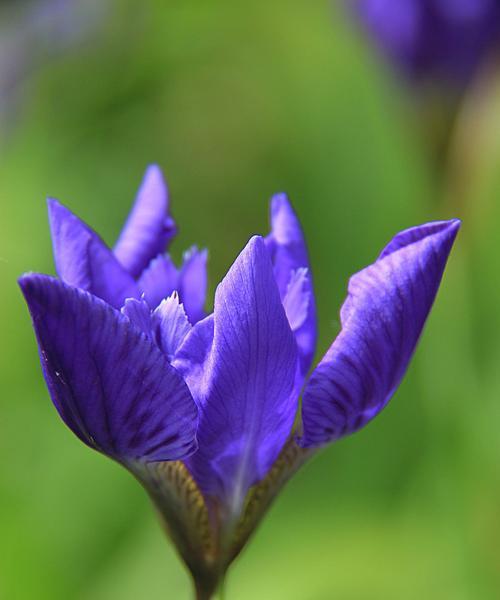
column 440, row 40
column 201, row 409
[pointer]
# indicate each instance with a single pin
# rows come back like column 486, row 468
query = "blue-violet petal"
column 382, row 318
column 111, row 385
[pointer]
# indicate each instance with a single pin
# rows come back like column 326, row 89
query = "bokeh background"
column 237, row 101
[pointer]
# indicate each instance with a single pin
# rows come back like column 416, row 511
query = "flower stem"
column 209, row 589
column 219, row 592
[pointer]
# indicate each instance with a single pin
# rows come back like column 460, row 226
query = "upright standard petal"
column 193, row 283
column 382, row 319
column 288, row 249
column 162, row 277
column 83, row 260
column 149, row 227
column 245, row 389
column 159, row 280
column 111, row 385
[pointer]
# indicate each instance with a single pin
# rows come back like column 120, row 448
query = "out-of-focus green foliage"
column 237, row 101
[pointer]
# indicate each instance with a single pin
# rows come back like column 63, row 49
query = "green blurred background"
column 237, row 101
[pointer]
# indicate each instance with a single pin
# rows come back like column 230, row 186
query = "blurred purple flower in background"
column 441, row 41
column 201, row 409
column 32, row 32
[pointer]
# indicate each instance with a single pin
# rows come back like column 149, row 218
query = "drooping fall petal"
column 111, row 385
column 382, row 319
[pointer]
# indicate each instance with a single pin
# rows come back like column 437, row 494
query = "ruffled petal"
column 382, row 319
column 288, row 248
column 111, row 385
column 149, row 227
column 246, row 386
column 171, row 325
column 83, row 260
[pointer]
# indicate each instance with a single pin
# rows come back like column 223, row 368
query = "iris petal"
column 192, row 356
column 111, row 385
column 297, row 298
column 382, row 319
column 246, row 386
column 149, row 226
column 193, row 283
column 171, row 325
column 139, row 313
column 288, row 249
column 162, row 277
column 83, row 260
column 158, row 280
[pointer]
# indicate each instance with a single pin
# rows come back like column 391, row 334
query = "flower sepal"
column 206, row 535
column 184, row 515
